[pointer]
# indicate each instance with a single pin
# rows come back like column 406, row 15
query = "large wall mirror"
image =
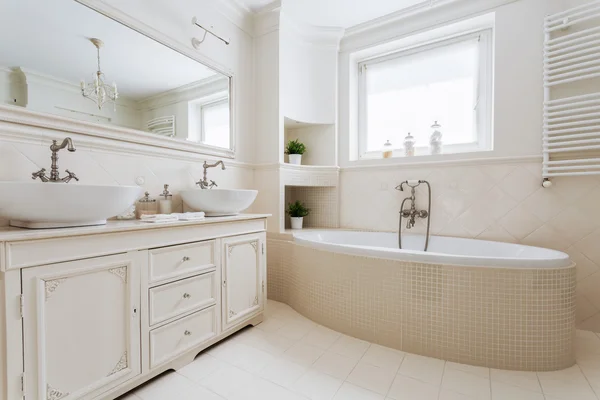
column 63, row 58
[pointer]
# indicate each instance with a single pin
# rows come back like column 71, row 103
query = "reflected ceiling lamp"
column 98, row 91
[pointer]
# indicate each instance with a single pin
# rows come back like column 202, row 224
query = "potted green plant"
column 297, row 211
column 294, row 150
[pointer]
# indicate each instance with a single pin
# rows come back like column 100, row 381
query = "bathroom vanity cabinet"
column 90, row 313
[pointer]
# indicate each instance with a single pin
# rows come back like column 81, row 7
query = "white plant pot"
column 297, row 222
column 296, row 159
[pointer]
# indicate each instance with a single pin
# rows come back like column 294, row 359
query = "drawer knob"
column 187, row 333
column 186, row 258
column 187, row 295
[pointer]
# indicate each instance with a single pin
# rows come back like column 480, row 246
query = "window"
column 447, row 81
column 215, row 123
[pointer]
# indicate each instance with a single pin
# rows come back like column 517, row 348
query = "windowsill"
column 423, row 153
column 440, row 160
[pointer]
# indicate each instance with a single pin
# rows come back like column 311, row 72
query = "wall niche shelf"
column 322, row 202
column 318, row 138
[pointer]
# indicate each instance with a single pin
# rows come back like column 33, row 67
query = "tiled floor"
column 288, row 357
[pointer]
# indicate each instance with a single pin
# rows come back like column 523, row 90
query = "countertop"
column 9, row 234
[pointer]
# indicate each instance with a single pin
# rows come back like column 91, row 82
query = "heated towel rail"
column 163, row 126
column 571, row 128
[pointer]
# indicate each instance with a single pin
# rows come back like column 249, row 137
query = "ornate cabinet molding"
column 51, row 286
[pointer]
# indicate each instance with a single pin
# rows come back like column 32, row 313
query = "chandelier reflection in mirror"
column 98, row 91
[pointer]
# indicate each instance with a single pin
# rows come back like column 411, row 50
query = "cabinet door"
column 81, row 326
column 243, row 286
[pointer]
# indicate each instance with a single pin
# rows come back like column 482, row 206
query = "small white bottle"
column 165, row 204
column 409, row 145
column 435, row 140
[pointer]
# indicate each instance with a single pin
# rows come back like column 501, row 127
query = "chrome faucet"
column 54, row 174
column 411, row 214
column 204, row 183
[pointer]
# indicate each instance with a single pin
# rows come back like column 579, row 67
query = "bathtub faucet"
column 411, row 214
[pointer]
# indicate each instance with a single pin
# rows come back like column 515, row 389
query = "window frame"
column 484, row 112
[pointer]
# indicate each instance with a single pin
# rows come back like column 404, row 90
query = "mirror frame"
column 20, row 115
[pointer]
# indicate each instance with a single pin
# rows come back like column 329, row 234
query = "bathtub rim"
column 445, row 259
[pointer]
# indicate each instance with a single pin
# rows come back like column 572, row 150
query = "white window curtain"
column 408, row 91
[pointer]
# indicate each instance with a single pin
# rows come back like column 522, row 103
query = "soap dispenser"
column 146, row 206
column 165, row 204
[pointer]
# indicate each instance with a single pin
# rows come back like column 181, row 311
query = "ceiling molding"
column 404, row 22
column 395, row 16
column 267, row 20
column 275, row 4
column 238, row 14
column 321, row 36
column 191, row 91
column 247, row 19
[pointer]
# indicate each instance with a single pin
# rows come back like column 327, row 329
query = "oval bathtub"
column 481, row 303
column 442, row 250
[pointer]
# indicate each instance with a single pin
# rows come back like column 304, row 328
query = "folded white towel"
column 159, row 218
column 191, row 216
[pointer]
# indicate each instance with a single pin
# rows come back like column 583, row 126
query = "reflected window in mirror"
column 215, row 123
column 209, row 118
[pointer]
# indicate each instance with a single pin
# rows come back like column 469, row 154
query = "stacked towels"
column 164, row 218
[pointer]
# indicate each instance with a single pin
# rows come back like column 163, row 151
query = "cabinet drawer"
column 175, row 338
column 173, row 299
column 171, row 262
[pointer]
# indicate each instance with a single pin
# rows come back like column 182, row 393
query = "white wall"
column 269, row 122
column 308, row 72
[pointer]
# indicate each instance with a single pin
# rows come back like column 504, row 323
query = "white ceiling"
column 338, row 13
column 51, row 37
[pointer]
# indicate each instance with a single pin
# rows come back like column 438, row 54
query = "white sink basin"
column 60, row 205
column 219, row 202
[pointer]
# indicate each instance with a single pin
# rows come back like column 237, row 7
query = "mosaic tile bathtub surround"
column 518, row 319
